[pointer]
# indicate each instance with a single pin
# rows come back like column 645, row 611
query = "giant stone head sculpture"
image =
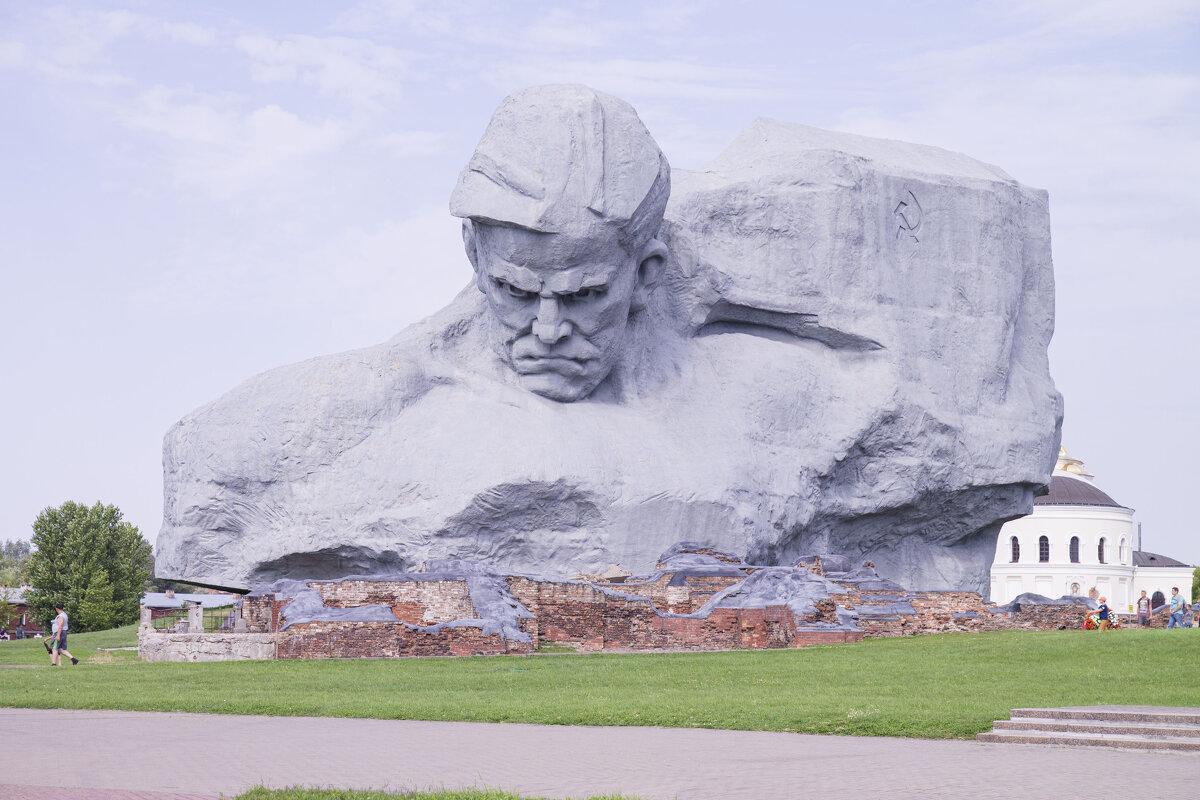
column 824, row 343
column 562, row 203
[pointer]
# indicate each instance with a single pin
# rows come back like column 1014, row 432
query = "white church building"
column 1079, row 541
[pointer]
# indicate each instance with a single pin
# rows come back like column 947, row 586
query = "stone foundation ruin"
column 696, row 599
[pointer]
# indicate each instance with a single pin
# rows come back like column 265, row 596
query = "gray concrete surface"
column 205, row 755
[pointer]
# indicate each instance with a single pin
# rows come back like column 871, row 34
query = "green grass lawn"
column 89, row 647
column 947, row 686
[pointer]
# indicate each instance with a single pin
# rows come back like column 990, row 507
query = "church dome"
column 1071, row 485
column 1066, row 491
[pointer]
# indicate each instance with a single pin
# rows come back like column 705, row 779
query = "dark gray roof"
column 160, row 600
column 1143, row 559
column 1066, row 491
column 14, row 595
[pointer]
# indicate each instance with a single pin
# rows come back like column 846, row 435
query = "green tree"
column 91, row 561
column 8, row 609
column 14, row 562
column 1196, row 585
column 96, row 605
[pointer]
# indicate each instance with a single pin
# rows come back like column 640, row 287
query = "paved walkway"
column 193, row 756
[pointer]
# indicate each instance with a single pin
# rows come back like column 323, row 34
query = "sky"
column 193, row 193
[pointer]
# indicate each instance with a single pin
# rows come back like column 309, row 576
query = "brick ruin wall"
column 952, row 612
column 418, row 605
column 632, row 616
column 624, row 617
column 394, row 640
column 671, row 593
column 414, row 602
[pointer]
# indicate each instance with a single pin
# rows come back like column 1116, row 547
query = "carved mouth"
column 563, row 365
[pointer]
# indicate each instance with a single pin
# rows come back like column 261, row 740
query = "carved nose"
column 549, row 326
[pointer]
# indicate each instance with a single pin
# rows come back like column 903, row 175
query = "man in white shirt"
column 58, row 638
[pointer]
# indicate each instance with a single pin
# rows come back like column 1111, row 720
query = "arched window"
column 1074, row 549
column 1044, row 548
column 1157, row 599
column 1016, row 550
column 1100, row 551
column 1122, row 553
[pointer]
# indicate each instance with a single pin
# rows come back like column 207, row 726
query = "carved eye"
column 513, row 291
column 588, row 293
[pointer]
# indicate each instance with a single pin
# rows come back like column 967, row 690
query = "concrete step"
column 1165, row 714
column 1092, row 740
column 1098, row 726
column 1129, row 727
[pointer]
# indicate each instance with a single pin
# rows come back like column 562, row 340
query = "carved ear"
column 651, row 264
column 471, row 245
column 469, row 242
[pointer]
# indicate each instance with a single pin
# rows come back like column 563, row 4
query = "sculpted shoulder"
column 289, row 420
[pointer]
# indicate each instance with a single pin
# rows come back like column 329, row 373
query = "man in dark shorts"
column 1143, row 610
column 58, row 638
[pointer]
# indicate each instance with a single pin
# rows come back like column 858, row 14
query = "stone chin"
column 559, row 379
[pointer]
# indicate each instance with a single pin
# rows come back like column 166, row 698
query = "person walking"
column 1104, row 613
column 58, row 638
column 1175, row 620
column 1143, row 610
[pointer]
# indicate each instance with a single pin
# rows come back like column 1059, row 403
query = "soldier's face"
column 562, row 303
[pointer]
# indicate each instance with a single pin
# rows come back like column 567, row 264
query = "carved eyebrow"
column 503, row 272
column 513, row 289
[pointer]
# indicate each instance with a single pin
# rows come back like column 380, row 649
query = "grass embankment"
column 260, row 793
column 93, row 648
column 948, row 686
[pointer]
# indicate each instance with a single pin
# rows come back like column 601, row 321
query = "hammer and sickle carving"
column 911, row 216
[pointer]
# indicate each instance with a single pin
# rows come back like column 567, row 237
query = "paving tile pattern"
column 202, row 754
column 77, row 793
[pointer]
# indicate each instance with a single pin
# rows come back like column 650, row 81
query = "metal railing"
column 216, row 620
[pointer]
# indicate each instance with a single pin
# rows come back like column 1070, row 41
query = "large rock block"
column 846, row 352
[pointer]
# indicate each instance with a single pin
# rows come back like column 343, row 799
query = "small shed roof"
column 14, row 595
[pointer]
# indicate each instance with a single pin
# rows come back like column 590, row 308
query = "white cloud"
column 1121, row 143
column 56, row 63
column 371, row 14
column 1054, row 31
column 407, row 144
column 359, row 283
column 560, row 30
column 1089, row 19
column 72, row 44
column 222, row 148
column 118, row 23
column 638, row 78
column 514, row 27
column 356, row 70
column 391, row 272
